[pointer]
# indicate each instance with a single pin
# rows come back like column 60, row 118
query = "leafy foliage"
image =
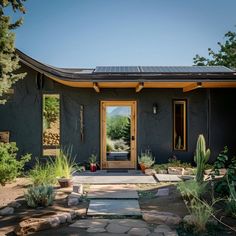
column 39, row 196
column 146, row 158
column 116, row 126
column 226, row 56
column 9, row 61
column 42, row 174
column 50, row 110
column 10, row 167
column 223, row 161
column 201, row 158
column 93, row 159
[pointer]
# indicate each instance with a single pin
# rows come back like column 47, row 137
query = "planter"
column 93, row 167
column 143, row 167
column 65, row 183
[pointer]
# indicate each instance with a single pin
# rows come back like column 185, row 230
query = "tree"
column 9, row 61
column 226, row 56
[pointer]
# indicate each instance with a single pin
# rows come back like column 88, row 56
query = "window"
column 51, row 124
column 179, row 133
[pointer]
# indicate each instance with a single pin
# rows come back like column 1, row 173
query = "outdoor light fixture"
column 199, row 84
column 154, row 109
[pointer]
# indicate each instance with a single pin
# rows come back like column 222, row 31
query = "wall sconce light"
column 154, row 109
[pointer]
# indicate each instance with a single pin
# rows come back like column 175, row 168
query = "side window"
column 179, row 120
column 51, row 124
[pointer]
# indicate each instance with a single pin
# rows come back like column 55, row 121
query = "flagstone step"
column 112, row 192
column 114, row 208
column 167, row 178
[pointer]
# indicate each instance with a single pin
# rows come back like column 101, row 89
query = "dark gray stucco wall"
column 22, row 117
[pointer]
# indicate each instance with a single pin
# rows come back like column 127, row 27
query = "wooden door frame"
column 132, row 164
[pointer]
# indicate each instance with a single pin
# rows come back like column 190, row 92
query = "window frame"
column 184, row 102
column 60, row 105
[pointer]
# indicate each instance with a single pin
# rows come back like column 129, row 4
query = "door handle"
column 132, row 138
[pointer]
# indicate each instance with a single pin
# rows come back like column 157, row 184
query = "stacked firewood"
column 51, row 139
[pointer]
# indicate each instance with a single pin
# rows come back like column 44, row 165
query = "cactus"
column 201, row 158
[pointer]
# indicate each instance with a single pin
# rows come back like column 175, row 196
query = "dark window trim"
column 186, row 125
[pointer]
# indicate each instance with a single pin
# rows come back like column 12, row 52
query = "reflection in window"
column 51, row 124
column 118, row 133
column 179, row 124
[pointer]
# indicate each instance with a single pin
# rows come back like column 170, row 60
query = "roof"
column 131, row 73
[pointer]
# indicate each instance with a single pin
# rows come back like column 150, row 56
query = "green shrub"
column 201, row 157
column 10, row 167
column 64, row 164
column 146, row 159
column 191, row 189
column 110, row 145
column 231, row 201
column 120, row 145
column 201, row 212
column 39, row 196
column 42, row 174
column 159, row 167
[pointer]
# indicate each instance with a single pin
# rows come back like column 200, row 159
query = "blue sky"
column 89, row 33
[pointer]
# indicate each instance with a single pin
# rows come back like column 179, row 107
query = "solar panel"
column 184, row 69
column 117, row 69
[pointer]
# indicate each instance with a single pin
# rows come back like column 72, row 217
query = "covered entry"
column 118, row 134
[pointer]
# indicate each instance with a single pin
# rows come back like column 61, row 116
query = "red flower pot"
column 93, row 167
column 143, row 167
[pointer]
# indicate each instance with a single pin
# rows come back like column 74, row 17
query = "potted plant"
column 93, row 162
column 64, row 167
column 146, row 160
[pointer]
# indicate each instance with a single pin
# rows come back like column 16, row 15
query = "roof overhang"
column 87, row 78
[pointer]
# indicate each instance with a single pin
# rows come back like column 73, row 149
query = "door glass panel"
column 118, row 133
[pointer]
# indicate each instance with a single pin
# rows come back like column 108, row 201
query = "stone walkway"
column 117, row 227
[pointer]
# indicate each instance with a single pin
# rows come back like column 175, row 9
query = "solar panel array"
column 162, row 69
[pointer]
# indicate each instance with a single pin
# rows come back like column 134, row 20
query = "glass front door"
column 118, row 134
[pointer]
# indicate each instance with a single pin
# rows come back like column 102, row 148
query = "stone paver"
column 112, row 192
column 163, row 192
column 114, row 179
column 90, row 223
column 114, row 207
column 167, row 178
column 96, row 230
column 130, row 222
column 139, row 232
column 117, row 229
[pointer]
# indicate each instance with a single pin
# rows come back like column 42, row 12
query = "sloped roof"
column 131, row 73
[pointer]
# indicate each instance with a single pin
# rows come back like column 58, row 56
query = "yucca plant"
column 39, row 196
column 201, row 158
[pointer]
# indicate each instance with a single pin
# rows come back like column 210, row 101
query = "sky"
column 89, row 33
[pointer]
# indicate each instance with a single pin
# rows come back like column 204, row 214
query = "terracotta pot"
column 65, row 183
column 93, row 167
column 143, row 168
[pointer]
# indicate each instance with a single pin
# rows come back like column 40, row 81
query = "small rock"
column 222, row 171
column 188, row 171
column 117, row 229
column 162, row 229
column 139, row 231
column 53, row 221
column 208, row 171
column 62, row 218
column 73, row 201
column 7, row 211
column 158, row 217
column 95, row 230
column 163, row 192
column 150, row 172
column 74, row 195
column 78, row 188
column 189, row 219
column 14, row 204
column 175, row 170
column 162, row 172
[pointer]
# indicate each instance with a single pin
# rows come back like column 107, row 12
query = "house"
column 165, row 108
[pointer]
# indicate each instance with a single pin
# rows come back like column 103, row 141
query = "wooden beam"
column 139, row 87
column 96, row 88
column 192, row 87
